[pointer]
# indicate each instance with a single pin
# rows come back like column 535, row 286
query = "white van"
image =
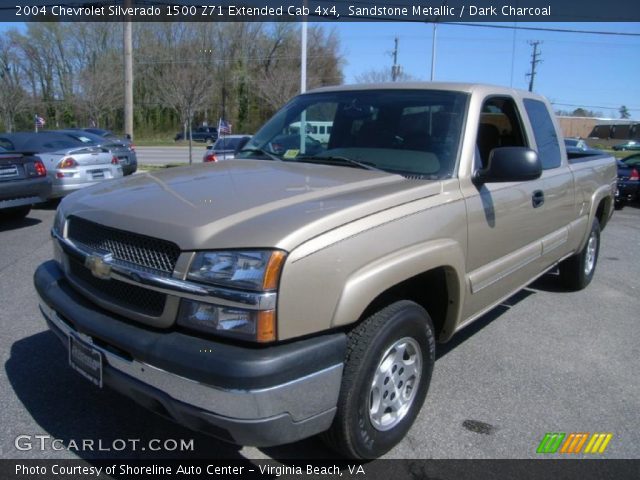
column 318, row 130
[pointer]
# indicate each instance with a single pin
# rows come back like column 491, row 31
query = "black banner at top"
column 321, row 10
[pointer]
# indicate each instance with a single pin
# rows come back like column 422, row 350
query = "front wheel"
column 576, row 272
column 388, row 367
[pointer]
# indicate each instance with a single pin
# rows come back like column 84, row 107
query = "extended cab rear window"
column 544, row 132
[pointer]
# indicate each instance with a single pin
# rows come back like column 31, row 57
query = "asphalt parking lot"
column 545, row 361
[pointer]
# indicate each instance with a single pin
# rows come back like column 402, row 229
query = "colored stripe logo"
column 556, row 442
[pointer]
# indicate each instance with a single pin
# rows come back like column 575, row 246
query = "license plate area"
column 96, row 174
column 8, row 171
column 123, row 160
column 85, row 360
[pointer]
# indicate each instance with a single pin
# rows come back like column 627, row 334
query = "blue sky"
column 597, row 72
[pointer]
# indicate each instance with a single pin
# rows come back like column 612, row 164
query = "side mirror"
column 243, row 141
column 510, row 164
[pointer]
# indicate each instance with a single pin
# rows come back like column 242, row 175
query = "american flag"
column 224, row 127
column 39, row 121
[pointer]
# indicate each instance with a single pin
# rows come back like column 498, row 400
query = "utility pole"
column 395, row 69
column 128, row 75
column 433, row 52
column 534, row 61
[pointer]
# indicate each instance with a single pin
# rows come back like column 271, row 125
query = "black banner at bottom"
column 596, row 469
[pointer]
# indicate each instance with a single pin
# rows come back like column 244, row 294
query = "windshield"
column 411, row 132
column 633, row 160
column 39, row 142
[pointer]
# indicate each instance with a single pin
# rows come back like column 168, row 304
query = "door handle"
column 537, row 199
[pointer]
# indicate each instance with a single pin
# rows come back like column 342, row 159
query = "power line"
column 545, row 29
column 592, row 106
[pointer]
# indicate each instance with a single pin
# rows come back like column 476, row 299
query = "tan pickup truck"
column 302, row 288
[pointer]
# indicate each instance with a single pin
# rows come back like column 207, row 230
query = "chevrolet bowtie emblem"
column 100, row 265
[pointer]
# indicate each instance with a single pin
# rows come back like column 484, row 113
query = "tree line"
column 184, row 73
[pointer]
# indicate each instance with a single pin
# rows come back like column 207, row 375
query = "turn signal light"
column 266, row 328
column 68, row 162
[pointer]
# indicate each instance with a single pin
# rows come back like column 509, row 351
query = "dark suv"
column 200, row 134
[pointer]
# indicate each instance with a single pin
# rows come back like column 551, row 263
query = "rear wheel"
column 16, row 213
column 387, row 372
column 576, row 272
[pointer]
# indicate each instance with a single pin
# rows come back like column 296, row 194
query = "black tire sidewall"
column 408, row 322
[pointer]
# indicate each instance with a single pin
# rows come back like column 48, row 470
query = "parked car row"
column 39, row 166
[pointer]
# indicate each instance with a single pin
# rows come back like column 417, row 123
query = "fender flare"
column 366, row 284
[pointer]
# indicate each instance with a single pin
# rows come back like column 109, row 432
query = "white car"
column 224, row 148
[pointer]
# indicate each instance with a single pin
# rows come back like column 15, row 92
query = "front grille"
column 127, row 296
column 133, row 248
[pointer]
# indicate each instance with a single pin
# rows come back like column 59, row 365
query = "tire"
column 361, row 428
column 576, row 272
column 16, row 213
column 619, row 205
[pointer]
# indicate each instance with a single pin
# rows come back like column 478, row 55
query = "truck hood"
column 243, row 203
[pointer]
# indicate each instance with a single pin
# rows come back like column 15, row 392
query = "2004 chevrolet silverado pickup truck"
column 288, row 293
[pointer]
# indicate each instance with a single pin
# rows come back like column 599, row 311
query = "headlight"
column 250, row 270
column 253, row 325
column 58, row 221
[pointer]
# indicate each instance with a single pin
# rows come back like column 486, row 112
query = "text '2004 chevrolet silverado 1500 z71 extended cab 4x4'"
column 277, row 296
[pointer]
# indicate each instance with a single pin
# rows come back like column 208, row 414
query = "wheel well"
column 428, row 289
column 600, row 212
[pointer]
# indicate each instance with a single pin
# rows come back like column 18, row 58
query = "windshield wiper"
column 338, row 160
column 261, row 152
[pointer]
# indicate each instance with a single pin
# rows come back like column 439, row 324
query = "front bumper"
column 259, row 396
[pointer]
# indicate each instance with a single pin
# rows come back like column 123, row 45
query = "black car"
column 628, row 180
column 200, row 134
column 23, row 182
